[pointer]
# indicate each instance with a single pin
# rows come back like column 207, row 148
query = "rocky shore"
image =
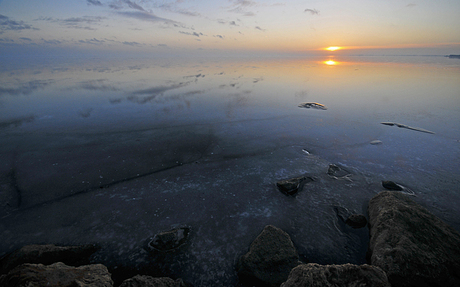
column 408, row 246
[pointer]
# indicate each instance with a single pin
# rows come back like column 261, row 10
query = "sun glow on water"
column 330, row 62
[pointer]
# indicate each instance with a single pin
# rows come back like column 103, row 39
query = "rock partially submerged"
column 407, row 127
column 293, row 185
column 48, row 254
column 346, row 275
column 337, row 172
column 390, row 185
column 271, row 257
column 57, row 275
column 169, row 240
column 414, row 247
column 351, row 219
column 312, row 105
column 149, row 281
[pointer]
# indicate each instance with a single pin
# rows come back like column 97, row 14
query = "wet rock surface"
column 47, row 254
column 414, row 247
column 271, row 257
column 57, row 275
column 315, row 275
column 149, row 281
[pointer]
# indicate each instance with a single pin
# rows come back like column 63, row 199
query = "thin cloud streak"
column 145, row 16
column 7, row 24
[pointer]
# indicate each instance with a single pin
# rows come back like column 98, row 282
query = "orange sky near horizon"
column 231, row 26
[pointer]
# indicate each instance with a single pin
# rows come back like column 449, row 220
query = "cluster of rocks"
column 408, row 246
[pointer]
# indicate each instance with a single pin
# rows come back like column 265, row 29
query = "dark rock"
column 390, row 185
column 271, row 257
column 313, row 105
column 414, row 247
column 315, row 275
column 342, row 213
column 356, row 221
column 57, row 274
column 293, row 185
column 169, row 240
column 149, row 281
column 48, row 254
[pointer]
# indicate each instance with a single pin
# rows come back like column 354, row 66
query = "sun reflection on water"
column 331, row 63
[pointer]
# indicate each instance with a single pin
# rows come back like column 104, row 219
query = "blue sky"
column 188, row 26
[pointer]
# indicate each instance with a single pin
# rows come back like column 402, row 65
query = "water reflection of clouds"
column 98, row 85
column 25, row 88
column 16, row 122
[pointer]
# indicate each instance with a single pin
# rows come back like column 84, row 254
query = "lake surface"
column 113, row 151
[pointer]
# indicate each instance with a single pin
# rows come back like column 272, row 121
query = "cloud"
column 258, row 28
column 219, row 36
column 145, row 16
column 134, row 5
column 25, row 39
column 312, row 11
column 93, row 41
column 192, row 34
column 94, row 2
column 134, row 44
column 240, row 7
column 410, row 5
column 76, row 22
column 7, row 24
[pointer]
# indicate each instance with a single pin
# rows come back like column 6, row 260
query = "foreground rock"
column 271, row 257
column 315, row 275
column 48, row 254
column 414, row 247
column 57, row 274
column 149, row 281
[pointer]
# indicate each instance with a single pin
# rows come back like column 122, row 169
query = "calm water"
column 114, row 151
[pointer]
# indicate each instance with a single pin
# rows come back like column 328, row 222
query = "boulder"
column 315, row 275
column 356, row 221
column 271, row 257
column 48, row 254
column 57, row 274
column 293, row 185
column 169, row 240
column 149, row 281
column 414, row 247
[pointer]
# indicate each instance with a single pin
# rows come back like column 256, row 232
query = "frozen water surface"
column 115, row 151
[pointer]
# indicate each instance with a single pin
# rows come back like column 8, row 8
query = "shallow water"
column 113, row 151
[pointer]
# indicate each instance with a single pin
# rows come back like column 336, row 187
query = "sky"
column 230, row 26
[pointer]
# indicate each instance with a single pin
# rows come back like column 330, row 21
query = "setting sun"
column 333, row 48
